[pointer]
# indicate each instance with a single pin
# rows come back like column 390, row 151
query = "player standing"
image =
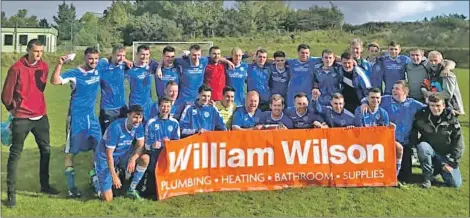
column 83, row 128
column 301, row 74
column 328, row 77
column 259, row 75
column 169, row 71
column 236, row 77
column 112, row 101
column 140, row 81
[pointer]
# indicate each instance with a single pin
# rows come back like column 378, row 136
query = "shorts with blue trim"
column 83, row 133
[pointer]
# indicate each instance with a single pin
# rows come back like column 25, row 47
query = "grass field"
column 310, row 201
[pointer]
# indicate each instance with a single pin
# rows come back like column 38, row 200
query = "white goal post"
column 156, row 47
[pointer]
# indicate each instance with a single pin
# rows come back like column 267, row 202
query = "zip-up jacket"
column 444, row 136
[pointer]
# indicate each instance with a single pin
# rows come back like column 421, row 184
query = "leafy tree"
column 66, row 21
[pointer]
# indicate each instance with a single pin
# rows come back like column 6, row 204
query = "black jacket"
column 445, row 136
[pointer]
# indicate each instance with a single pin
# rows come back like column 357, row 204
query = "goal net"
column 156, row 48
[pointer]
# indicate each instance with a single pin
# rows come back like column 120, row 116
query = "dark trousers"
column 405, row 171
column 20, row 128
column 108, row 116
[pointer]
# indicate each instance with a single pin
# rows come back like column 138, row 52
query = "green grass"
column 309, row 201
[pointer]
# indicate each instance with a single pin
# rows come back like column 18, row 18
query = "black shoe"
column 11, row 200
column 49, row 190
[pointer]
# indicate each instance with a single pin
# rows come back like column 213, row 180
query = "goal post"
column 156, row 48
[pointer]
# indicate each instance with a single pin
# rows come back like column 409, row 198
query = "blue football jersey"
column 168, row 74
column 301, row 78
column 85, row 86
column 191, row 78
column 120, row 138
column 112, row 84
column 242, row 119
column 236, row 78
column 157, row 129
column 140, row 82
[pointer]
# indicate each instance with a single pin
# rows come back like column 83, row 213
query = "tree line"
column 128, row 21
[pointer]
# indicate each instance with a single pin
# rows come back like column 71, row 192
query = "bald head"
column 251, row 101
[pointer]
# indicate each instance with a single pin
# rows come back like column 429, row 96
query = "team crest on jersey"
column 242, row 69
column 194, row 111
column 206, row 114
column 398, row 60
column 157, row 126
column 170, row 128
column 305, row 118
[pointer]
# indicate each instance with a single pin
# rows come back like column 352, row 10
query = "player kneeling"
column 115, row 151
column 158, row 131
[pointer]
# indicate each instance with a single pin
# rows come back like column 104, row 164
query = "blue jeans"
column 432, row 163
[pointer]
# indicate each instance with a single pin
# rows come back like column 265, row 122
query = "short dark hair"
column 213, row 47
column 135, row 109
column 302, row 46
column 276, row 97
column 393, row 44
column 33, row 42
column 204, row 88
column 195, row 47
column 164, row 99
column 143, row 47
column 228, row 89
column 118, row 47
column 171, row 83
column 261, row 50
column 326, row 51
column 91, row 50
column 375, row 90
column 435, row 98
column 279, row 54
column 168, row 49
column 346, row 55
column 300, row 95
column 337, row 95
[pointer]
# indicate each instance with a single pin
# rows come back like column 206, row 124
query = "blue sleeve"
column 149, row 134
column 111, row 136
column 262, row 118
column 185, row 122
column 407, row 59
column 358, row 117
column 69, row 75
column 418, row 105
column 153, row 66
column 204, row 60
column 102, row 63
column 175, row 135
column 237, row 119
column 180, row 61
column 315, row 60
column 219, row 122
column 386, row 118
column 139, row 132
column 289, row 123
column 154, row 110
column 318, row 108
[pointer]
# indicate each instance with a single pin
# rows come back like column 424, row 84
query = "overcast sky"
column 355, row 12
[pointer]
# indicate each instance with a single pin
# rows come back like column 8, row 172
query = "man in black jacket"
column 441, row 143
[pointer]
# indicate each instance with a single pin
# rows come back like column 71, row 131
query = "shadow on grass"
column 27, row 183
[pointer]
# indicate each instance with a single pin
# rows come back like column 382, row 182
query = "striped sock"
column 139, row 173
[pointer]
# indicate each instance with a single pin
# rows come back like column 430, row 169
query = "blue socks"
column 139, row 173
column 70, row 174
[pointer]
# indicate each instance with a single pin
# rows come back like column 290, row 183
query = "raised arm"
column 55, row 78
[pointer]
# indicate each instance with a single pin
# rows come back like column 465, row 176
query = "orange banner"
column 276, row 159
